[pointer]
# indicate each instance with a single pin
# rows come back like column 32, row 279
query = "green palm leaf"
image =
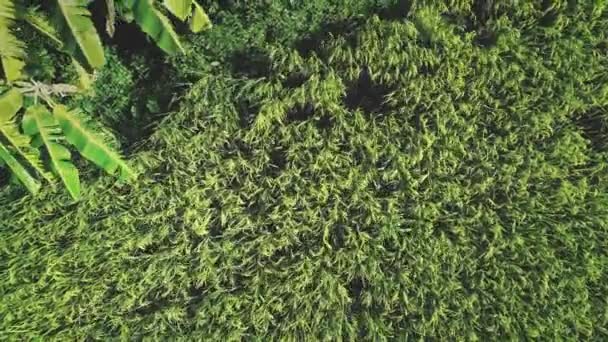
column 10, row 103
column 42, row 24
column 179, row 8
column 40, row 124
column 31, row 184
column 13, row 142
column 199, row 20
column 184, row 9
column 11, row 49
column 155, row 24
column 89, row 145
column 74, row 23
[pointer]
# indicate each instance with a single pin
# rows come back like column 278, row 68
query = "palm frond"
column 73, row 21
column 199, row 20
column 15, row 147
column 40, row 124
column 155, row 24
column 89, row 145
column 11, row 48
column 39, row 21
column 179, row 8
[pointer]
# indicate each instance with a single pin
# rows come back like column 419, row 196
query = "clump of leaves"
column 70, row 29
column 43, row 135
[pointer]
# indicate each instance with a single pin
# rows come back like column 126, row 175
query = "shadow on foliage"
column 251, row 63
column 594, row 127
column 368, row 95
column 397, row 10
column 247, row 111
column 301, row 112
column 316, row 41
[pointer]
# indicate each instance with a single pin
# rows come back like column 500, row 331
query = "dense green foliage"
column 72, row 30
column 347, row 170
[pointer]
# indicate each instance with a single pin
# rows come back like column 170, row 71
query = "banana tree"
column 44, row 129
column 70, row 27
column 31, row 122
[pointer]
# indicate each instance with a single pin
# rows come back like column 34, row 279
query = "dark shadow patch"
column 277, row 162
column 5, row 176
column 153, row 97
column 255, row 206
column 236, row 147
column 128, row 38
column 550, row 14
column 301, row 112
column 338, row 237
column 325, row 122
column 228, row 5
column 151, row 104
column 427, row 70
column 384, row 189
column 235, row 183
column 243, row 148
column 464, row 24
column 154, row 90
column 247, row 112
column 195, row 242
column 397, row 10
column 316, row 41
column 110, row 292
column 277, row 159
column 252, row 62
column 196, row 295
column 64, row 242
column 368, row 95
column 269, row 228
column 359, row 154
column 594, row 127
column 153, row 248
column 484, row 11
column 443, row 228
column 161, row 173
column 272, row 34
column 383, row 163
column 281, row 254
column 486, row 38
column 355, row 288
column 153, row 306
column 307, row 45
column 295, row 79
column 415, row 119
column 549, row 18
column 215, row 226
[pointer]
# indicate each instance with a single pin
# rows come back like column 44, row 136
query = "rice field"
column 329, row 170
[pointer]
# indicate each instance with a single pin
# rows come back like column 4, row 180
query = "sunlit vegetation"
column 363, row 170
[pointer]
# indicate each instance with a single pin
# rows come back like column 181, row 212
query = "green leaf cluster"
column 43, row 131
column 69, row 27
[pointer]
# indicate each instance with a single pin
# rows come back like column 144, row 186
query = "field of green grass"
column 358, row 170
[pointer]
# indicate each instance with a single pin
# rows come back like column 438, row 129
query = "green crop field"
column 328, row 170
